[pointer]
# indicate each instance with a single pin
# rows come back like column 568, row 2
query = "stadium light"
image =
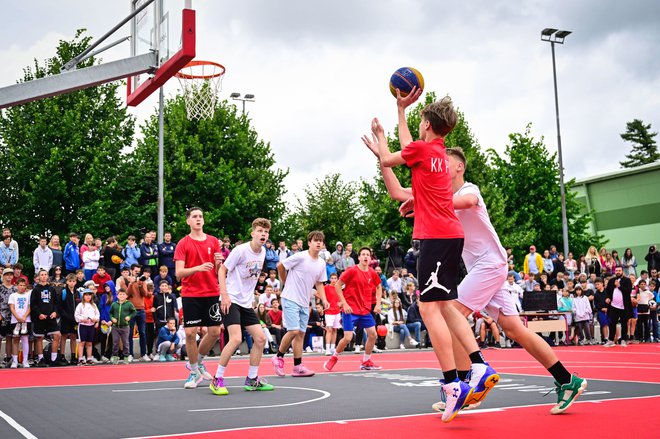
column 247, row 97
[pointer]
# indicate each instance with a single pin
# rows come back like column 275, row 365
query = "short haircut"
column 364, row 248
column 43, row 237
column 80, row 270
column 73, row 235
column 171, row 319
column 111, row 240
column 131, row 238
column 151, row 287
column 101, row 267
column 441, row 115
column 164, row 281
column 315, row 235
column 334, row 274
column 599, row 279
column 261, row 222
column 19, row 266
column 41, row 270
column 21, row 280
column 70, row 276
column 272, row 271
column 192, row 209
column 146, row 269
column 134, row 266
column 163, row 267
column 124, row 269
column 121, row 291
column 458, row 153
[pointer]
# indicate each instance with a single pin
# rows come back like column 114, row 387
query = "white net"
column 201, row 82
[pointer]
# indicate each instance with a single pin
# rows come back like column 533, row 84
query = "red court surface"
column 604, row 418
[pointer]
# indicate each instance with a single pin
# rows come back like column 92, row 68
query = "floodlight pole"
column 247, row 97
column 161, row 154
column 558, row 37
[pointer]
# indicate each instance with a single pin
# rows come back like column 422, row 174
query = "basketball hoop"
column 201, row 82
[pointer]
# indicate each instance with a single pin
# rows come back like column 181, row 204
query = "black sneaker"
column 73, row 361
column 42, row 363
column 61, row 361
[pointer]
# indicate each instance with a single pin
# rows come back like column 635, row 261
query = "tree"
column 527, row 177
column 330, row 205
column 218, row 164
column 644, row 149
column 61, row 156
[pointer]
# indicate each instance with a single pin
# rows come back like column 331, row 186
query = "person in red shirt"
column 100, row 278
column 332, row 315
column 197, row 258
column 149, row 319
column 361, row 281
column 275, row 314
column 441, row 242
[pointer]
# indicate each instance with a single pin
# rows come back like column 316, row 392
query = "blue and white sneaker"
column 202, row 370
column 193, row 380
column 482, row 380
column 454, row 395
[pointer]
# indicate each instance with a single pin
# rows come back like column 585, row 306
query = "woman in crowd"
column 593, row 261
column 58, row 255
column 608, row 265
column 56, row 279
column 617, row 260
column 629, row 263
column 571, row 266
column 397, row 318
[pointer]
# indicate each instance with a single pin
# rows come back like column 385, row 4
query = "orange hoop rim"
column 195, row 63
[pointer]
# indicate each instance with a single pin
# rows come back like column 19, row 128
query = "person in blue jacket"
column 166, row 253
column 149, row 251
column 131, row 253
column 271, row 257
column 71, row 254
column 105, row 336
column 168, row 340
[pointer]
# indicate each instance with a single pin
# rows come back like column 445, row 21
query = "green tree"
column 218, row 164
column 644, row 149
column 61, row 156
column 527, row 176
column 330, row 205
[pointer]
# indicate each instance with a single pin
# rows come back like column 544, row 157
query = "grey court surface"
column 151, row 409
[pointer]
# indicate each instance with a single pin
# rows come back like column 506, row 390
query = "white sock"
column 14, row 358
column 53, row 356
column 201, row 359
column 194, row 367
column 220, row 372
column 365, row 357
column 26, row 347
column 40, row 357
column 332, row 347
column 253, row 372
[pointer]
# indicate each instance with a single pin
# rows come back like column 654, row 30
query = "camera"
column 142, row 278
column 389, row 242
column 652, row 249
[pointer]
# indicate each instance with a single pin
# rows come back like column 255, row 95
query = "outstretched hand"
column 377, row 128
column 372, row 144
column 406, row 209
column 404, row 102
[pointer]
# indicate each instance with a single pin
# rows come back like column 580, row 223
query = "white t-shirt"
column 274, row 283
column 243, row 268
column 481, row 245
column 303, row 273
column 21, row 304
column 268, row 301
column 516, row 292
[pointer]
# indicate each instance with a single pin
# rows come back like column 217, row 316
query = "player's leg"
column 347, row 323
column 291, row 321
column 366, row 322
column 233, row 328
column 253, row 327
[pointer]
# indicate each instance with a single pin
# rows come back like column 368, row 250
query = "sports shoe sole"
column 220, row 391
column 453, row 415
column 489, row 384
column 583, row 387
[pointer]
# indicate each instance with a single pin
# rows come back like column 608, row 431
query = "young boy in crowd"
column 121, row 313
column 7, row 288
column 163, row 274
column 332, row 315
column 43, row 307
column 66, row 309
column 19, row 305
column 168, row 341
column 100, row 278
column 274, row 282
column 164, row 304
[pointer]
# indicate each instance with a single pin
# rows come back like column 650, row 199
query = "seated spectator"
column 168, row 341
column 274, row 282
column 266, row 324
column 484, row 325
column 409, row 296
column 267, row 298
column 260, row 288
column 314, row 328
column 276, row 327
column 415, row 316
column 397, row 318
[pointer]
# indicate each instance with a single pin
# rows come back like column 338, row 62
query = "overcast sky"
column 320, row 70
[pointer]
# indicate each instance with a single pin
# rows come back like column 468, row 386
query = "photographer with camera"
column 137, row 291
column 653, row 258
column 410, row 260
column 394, row 255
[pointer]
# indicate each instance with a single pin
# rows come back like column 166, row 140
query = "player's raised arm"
column 394, row 188
column 402, row 102
column 387, row 158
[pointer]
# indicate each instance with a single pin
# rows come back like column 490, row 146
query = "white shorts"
column 333, row 321
column 483, row 289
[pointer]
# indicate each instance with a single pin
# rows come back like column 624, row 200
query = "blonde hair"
column 261, row 222
column 441, row 115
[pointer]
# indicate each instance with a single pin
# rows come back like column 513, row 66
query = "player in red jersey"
column 332, row 315
column 360, row 281
column 441, row 243
column 197, row 259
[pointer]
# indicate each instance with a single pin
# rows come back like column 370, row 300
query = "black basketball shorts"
column 438, row 267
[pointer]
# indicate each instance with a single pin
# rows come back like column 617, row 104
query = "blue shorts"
column 602, row 319
column 350, row 321
column 294, row 316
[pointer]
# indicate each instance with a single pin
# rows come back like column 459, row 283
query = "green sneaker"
column 252, row 384
column 566, row 394
column 218, row 387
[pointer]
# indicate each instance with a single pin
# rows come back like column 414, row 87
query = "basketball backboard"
column 167, row 28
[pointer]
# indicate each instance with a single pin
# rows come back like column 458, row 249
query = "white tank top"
column 482, row 245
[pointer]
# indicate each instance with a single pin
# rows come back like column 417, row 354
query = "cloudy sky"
column 320, row 70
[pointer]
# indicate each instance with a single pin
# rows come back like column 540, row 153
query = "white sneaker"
column 105, row 360
column 609, row 344
column 308, row 349
column 129, row 359
column 14, row 365
column 156, row 357
column 145, row 358
column 624, row 344
column 92, row 360
column 376, row 350
column 413, row 342
column 26, row 365
column 401, row 346
column 357, row 349
column 328, row 352
column 193, row 380
column 455, row 395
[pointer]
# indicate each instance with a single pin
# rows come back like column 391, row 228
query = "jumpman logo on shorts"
column 433, row 280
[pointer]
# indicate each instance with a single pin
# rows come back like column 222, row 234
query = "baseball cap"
column 7, row 271
column 87, row 291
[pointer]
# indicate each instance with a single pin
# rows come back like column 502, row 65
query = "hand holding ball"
column 405, row 79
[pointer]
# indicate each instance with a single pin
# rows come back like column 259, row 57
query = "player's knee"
column 260, row 340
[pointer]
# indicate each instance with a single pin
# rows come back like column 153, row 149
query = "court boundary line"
column 16, row 426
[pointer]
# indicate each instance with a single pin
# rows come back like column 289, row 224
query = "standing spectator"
column 19, row 306
column 56, row 249
column 163, row 274
column 324, row 253
column 43, row 256
column 553, row 252
column 351, row 252
column 66, row 310
column 644, row 296
column 395, row 255
column 394, row 283
column 548, row 266
column 13, row 244
column 533, row 263
column 226, row 247
column 410, row 260
column 583, row 268
column 150, row 325
column 131, row 252
column 283, row 252
column 374, row 262
column 583, row 317
column 121, row 313
column 7, row 288
column 273, row 282
column 338, row 253
column 105, row 334
column 600, row 305
column 615, row 256
column 90, row 258
column 618, row 290
column 148, row 251
column 88, row 317
column 294, row 248
column 593, row 261
column 299, row 242
column 71, row 254
column 165, row 305
column 602, row 254
column 166, row 253
column 383, row 279
column 344, row 262
column 43, row 308
column 271, row 257
column 653, row 258
column 629, row 263
column 18, row 274
column 261, row 284
column 571, row 266
column 137, row 291
column 89, row 239
column 112, row 257
column 8, row 255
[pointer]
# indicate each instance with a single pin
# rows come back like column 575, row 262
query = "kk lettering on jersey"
column 439, row 165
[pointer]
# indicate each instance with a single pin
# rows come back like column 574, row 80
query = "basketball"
column 652, row 303
column 405, row 79
column 116, row 259
column 381, row 330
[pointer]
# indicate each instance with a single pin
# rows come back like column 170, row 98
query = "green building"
column 626, row 206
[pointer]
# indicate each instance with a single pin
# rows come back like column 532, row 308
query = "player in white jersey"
column 484, row 285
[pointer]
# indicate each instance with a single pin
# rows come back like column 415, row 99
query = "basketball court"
column 148, row 400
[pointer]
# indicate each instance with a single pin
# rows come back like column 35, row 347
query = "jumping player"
column 197, row 261
column 441, row 243
column 299, row 273
column 360, row 281
column 238, row 278
column 484, row 287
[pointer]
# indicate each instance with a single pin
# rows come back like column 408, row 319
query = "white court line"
column 16, row 426
column 323, row 393
column 346, row 421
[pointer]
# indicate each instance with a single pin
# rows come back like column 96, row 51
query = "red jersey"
column 194, row 253
column 431, row 185
column 359, row 289
column 275, row 317
column 333, row 300
column 101, row 281
column 148, row 304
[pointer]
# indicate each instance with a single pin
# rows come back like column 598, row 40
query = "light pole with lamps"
column 237, row 97
column 557, row 36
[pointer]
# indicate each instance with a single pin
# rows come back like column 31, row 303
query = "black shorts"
column 86, row 333
column 201, row 311
column 68, row 326
column 437, row 269
column 41, row 328
column 238, row 315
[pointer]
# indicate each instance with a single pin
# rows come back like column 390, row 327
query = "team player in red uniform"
column 360, row 281
column 441, row 243
column 197, row 259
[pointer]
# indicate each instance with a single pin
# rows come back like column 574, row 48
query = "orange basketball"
column 381, row 330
